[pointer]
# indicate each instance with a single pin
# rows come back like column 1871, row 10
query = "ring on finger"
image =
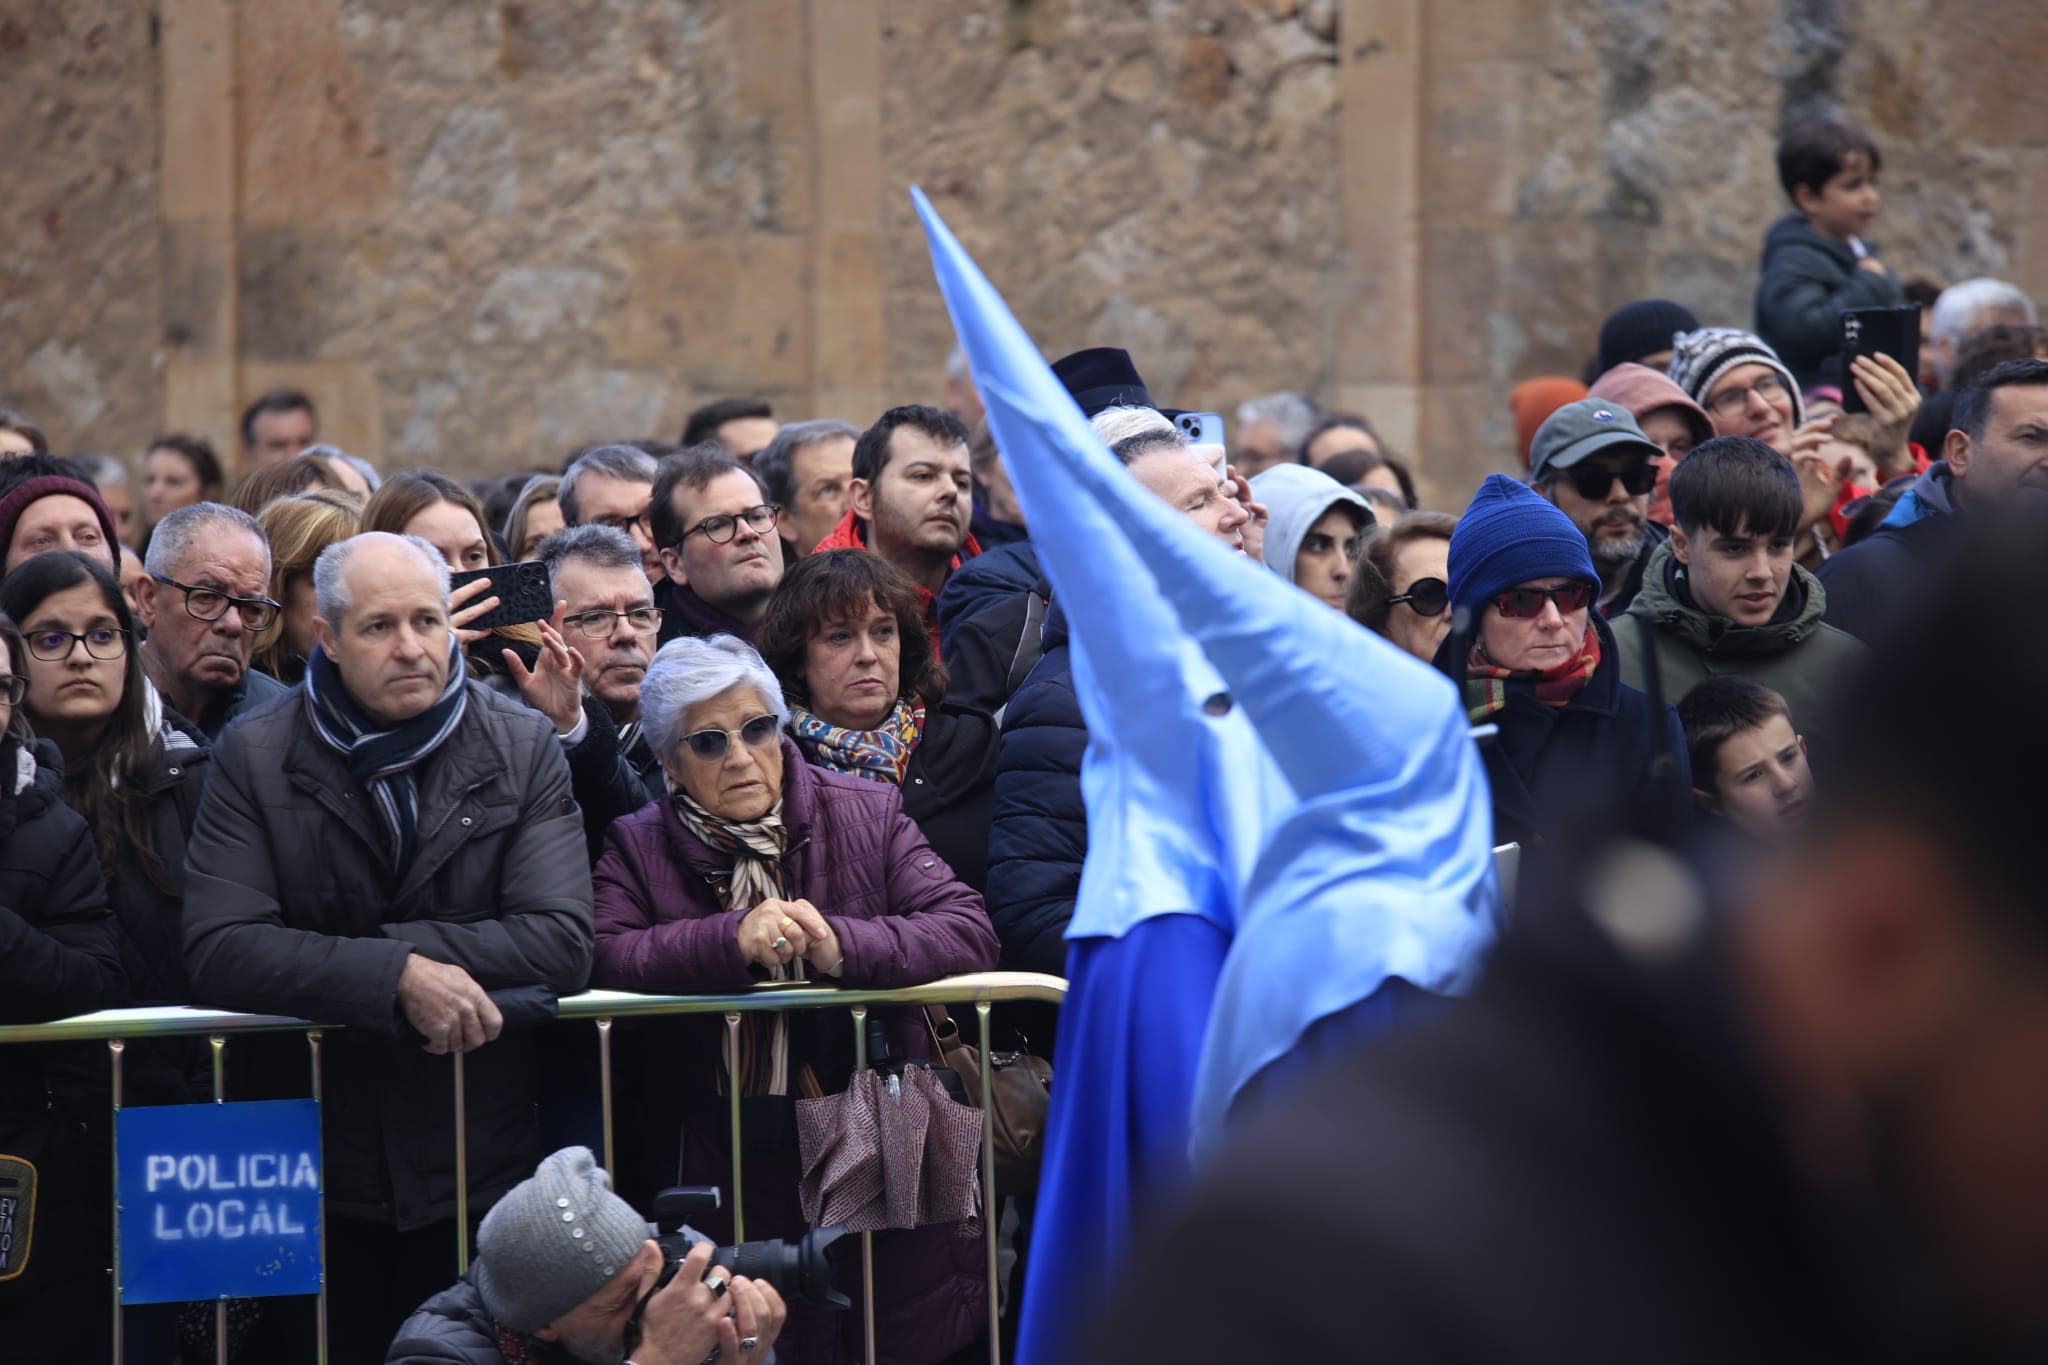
column 716, row 1284
column 749, row 1343
column 779, row 944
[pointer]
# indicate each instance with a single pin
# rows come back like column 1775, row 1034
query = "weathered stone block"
column 724, row 314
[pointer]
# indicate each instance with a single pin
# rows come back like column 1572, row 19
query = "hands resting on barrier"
column 778, row 932
column 447, row 1006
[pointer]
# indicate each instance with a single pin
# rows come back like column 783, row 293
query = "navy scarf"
column 382, row 761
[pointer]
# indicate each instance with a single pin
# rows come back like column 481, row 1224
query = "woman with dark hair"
column 1402, row 587
column 59, row 955
column 529, row 661
column 259, row 488
column 178, row 471
column 844, row 634
column 1351, row 452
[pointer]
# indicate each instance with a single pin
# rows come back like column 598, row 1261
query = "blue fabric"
column 1511, row 535
column 1038, row 829
column 1927, row 497
column 1116, row 1140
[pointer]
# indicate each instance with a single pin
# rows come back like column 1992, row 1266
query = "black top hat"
column 1102, row 377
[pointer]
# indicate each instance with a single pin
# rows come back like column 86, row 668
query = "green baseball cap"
column 1578, row 431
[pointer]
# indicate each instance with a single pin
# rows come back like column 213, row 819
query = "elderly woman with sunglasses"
column 1577, row 752
column 761, row 867
column 1401, row 589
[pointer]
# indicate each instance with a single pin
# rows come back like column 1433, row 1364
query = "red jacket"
column 849, row 534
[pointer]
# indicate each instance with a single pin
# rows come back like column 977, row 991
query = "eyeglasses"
column 1425, row 597
column 55, row 646
column 17, row 688
column 1592, row 483
column 621, row 522
column 598, row 624
column 1523, row 603
column 210, row 604
column 1726, row 404
column 710, row 745
column 718, row 530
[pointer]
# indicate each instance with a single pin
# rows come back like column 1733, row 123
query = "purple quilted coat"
column 902, row 918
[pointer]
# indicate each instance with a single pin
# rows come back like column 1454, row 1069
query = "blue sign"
column 219, row 1199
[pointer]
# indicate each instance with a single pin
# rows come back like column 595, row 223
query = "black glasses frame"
column 1592, row 483
column 721, row 528
column 1424, row 590
column 582, row 619
column 17, row 688
column 72, row 640
column 709, row 746
column 261, row 607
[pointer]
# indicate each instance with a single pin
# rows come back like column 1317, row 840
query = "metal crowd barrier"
column 983, row 990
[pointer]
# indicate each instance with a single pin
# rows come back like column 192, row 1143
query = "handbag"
column 1020, row 1087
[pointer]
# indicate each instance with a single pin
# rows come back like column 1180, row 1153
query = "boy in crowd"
column 1816, row 263
column 1748, row 763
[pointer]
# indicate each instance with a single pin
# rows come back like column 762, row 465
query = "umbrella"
column 890, row 1151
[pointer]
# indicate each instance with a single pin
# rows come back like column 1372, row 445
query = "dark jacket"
column 989, row 578
column 1808, row 281
column 253, row 691
column 686, row 615
column 1878, row 578
column 1038, row 832
column 1795, row 654
column 1582, row 1162
column 1633, row 584
column 292, row 908
column 991, row 614
column 1593, row 763
column 901, row 917
column 949, row 788
column 454, row 1326
column 646, row 766
column 59, row 947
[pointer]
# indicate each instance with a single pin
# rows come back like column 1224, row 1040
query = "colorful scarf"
column 756, row 848
column 382, row 761
column 881, row 755
column 1487, row 683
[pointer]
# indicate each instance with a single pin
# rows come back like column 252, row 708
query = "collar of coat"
column 1667, row 603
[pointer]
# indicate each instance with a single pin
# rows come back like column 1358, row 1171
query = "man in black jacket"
column 389, row 848
column 1806, row 1125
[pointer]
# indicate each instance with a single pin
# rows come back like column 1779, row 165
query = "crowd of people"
column 799, row 705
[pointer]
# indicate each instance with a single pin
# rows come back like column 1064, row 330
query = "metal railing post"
column 732, row 1085
column 867, row 1239
column 219, row 1044
column 115, row 1047
column 313, row 1038
column 461, row 1173
column 991, row 1210
column 604, row 1091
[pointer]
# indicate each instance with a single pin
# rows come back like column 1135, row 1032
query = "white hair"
column 1293, row 416
column 1122, row 423
column 694, row 669
column 330, row 589
column 103, row 470
column 172, row 539
column 1960, row 305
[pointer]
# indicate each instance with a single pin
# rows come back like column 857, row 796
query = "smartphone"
column 525, row 592
column 1201, row 428
column 1878, row 331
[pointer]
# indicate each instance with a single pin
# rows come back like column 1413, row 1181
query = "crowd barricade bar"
column 983, row 990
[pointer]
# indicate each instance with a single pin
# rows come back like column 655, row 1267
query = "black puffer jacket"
column 949, row 788
column 1038, row 833
column 293, row 909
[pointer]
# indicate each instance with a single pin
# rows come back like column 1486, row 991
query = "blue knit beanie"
column 1511, row 535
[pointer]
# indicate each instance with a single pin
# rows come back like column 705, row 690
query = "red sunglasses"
column 1523, row 603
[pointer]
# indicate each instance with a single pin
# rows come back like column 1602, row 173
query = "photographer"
column 562, row 1268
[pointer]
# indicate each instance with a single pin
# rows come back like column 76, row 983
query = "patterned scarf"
column 881, row 755
column 756, row 848
column 1487, row 683
column 382, row 761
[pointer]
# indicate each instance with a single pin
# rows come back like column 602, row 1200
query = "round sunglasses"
column 1425, row 597
column 1592, row 483
column 708, row 746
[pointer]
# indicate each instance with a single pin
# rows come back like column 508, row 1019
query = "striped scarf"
column 382, row 761
column 1487, row 683
column 756, row 848
column 879, row 755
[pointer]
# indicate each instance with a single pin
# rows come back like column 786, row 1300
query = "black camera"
column 800, row 1271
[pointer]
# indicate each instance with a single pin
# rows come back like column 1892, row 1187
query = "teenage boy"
column 1748, row 764
column 1816, row 263
column 1723, row 595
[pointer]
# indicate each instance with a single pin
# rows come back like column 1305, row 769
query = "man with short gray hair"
column 609, row 618
column 1270, row 430
column 611, row 486
column 1964, row 309
column 202, row 599
column 807, row 471
column 394, row 849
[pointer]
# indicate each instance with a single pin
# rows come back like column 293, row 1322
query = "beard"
column 1610, row 552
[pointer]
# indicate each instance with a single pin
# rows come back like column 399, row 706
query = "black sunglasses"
column 710, row 745
column 1525, row 603
column 1425, row 597
column 1592, row 484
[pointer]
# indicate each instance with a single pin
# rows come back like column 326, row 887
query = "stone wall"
column 482, row 233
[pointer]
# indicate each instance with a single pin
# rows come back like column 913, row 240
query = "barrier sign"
column 219, row 1199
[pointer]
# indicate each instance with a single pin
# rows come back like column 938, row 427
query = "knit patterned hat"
column 1511, row 535
column 1704, row 356
column 553, row 1241
column 49, row 485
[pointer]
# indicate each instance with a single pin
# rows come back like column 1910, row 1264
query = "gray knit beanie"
column 1699, row 359
column 553, row 1241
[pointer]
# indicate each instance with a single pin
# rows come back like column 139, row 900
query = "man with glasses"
column 202, row 603
column 609, row 618
column 1595, row 464
column 611, row 486
column 715, row 532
